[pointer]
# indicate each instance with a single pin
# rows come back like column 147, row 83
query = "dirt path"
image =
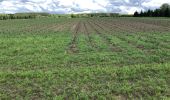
column 73, row 45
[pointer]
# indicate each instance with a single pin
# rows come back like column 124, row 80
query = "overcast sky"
column 78, row 6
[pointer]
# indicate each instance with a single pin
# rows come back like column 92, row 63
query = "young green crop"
column 96, row 58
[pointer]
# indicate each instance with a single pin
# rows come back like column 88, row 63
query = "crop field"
column 85, row 58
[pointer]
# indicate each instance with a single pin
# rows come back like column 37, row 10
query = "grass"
column 148, row 81
column 118, row 63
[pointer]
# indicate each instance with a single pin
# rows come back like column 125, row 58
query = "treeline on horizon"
column 35, row 15
column 163, row 11
column 85, row 15
column 22, row 16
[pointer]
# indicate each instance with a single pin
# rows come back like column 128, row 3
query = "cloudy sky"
column 78, row 6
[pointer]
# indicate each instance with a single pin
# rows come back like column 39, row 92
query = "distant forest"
column 22, row 16
column 37, row 15
column 163, row 11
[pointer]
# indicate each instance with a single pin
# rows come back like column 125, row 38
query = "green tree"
column 136, row 14
column 149, row 13
column 141, row 13
column 156, row 13
column 164, row 10
column 165, row 6
column 167, row 12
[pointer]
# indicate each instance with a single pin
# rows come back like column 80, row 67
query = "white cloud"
column 130, row 10
column 155, row 3
column 78, row 6
column 127, row 1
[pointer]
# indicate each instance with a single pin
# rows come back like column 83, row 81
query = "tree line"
column 85, row 15
column 22, row 16
column 35, row 15
column 163, row 11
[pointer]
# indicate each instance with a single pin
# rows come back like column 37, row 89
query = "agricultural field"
column 85, row 58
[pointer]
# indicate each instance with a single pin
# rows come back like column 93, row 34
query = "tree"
column 145, row 14
column 149, row 13
column 167, row 12
column 136, row 14
column 156, row 13
column 165, row 6
column 72, row 16
column 164, row 10
column 141, row 14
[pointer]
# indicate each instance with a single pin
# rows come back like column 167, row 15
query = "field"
column 85, row 58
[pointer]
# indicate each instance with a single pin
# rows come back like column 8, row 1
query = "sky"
column 79, row 6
